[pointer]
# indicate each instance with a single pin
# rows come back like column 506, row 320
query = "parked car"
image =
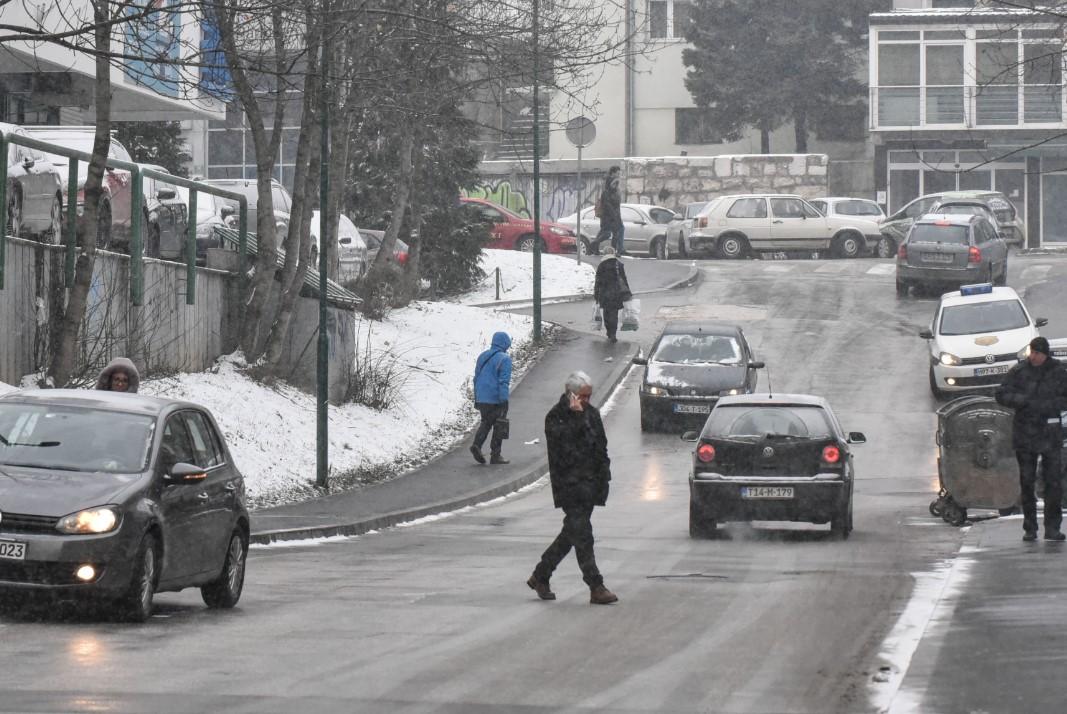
column 281, row 201
column 351, row 249
column 34, row 191
column 681, row 226
column 113, row 231
column 739, row 225
column 167, row 218
column 763, row 457
column 133, row 495
column 644, row 229
column 689, row 367
column 978, row 333
column 510, row 231
column 951, row 250
column 895, row 227
column 846, row 206
column 211, row 212
column 958, row 206
column 373, row 239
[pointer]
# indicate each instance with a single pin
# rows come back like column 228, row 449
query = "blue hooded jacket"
column 492, row 372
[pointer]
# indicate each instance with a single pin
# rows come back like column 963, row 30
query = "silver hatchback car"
column 951, row 250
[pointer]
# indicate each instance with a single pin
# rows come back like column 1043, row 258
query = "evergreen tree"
column 156, row 142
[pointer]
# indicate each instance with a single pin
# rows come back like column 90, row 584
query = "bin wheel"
column 953, row 514
column 937, row 506
column 1009, row 511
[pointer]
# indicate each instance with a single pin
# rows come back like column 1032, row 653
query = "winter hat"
column 607, row 251
column 1040, row 344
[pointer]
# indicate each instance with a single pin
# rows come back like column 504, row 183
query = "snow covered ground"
column 271, row 429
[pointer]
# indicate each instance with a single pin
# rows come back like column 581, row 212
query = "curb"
column 394, row 518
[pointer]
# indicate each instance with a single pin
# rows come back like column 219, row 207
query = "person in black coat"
column 1036, row 389
column 610, row 205
column 580, row 472
column 610, row 290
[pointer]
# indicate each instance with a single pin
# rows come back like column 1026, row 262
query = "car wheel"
column 54, row 233
column 1002, row 280
column 659, row 251
column 14, row 212
column 733, row 247
column 902, row 288
column 934, row 389
column 135, row 605
column 646, row 422
column 848, row 245
column 841, row 524
column 682, row 252
column 886, row 248
column 225, row 591
column 700, row 526
column 525, row 244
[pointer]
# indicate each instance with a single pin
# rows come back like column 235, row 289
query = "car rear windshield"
column 857, row 208
column 973, row 318
column 68, row 438
column 761, row 420
column 963, row 209
column 698, row 349
column 938, row 233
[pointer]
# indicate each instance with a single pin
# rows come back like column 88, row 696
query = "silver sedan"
column 644, row 229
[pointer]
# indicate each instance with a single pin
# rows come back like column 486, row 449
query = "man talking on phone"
column 579, row 469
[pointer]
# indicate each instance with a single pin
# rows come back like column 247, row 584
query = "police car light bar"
column 976, row 289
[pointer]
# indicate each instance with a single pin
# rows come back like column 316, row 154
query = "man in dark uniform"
column 1036, row 389
column 579, row 468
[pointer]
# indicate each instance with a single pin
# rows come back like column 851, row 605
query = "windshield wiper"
column 27, row 443
column 42, row 466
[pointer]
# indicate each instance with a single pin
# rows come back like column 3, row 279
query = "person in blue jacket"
column 492, row 381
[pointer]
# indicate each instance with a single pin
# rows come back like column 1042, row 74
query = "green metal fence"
column 137, row 174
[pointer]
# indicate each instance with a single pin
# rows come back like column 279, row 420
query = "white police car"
column 979, row 332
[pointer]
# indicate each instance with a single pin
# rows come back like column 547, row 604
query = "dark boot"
column 1029, row 535
column 477, row 454
column 498, row 459
column 541, row 588
column 1054, row 535
column 600, row 595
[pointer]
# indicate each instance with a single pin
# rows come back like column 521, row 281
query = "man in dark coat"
column 610, row 290
column 579, row 468
column 1036, row 389
column 611, row 212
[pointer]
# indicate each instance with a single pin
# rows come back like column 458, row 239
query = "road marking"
column 882, row 269
column 777, row 268
column 1035, row 272
column 833, row 267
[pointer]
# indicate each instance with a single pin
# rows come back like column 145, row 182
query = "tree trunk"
column 800, row 130
column 764, row 141
column 400, row 201
column 63, row 360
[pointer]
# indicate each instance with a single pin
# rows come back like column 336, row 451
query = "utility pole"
column 322, row 371
column 536, row 173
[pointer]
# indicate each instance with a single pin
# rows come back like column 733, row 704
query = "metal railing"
column 136, row 247
column 967, row 106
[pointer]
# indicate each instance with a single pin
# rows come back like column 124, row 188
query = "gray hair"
column 577, row 380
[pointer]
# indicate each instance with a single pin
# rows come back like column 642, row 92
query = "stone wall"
column 673, row 181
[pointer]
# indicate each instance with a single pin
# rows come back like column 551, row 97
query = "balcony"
column 1028, row 106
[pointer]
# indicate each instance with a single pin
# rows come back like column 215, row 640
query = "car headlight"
column 92, row 520
column 1024, row 352
column 560, row 231
column 947, row 358
column 731, row 392
column 656, row 391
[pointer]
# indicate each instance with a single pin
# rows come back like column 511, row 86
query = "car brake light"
column 902, row 252
column 831, row 454
column 706, row 453
column 974, row 254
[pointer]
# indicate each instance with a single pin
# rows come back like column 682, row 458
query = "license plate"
column 766, row 492
column 937, row 257
column 12, row 550
column 692, row 409
column 984, row 371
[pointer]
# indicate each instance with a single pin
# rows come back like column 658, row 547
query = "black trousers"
column 611, row 320
column 577, row 533
column 490, row 413
column 1052, row 474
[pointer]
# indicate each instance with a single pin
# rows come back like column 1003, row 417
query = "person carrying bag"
column 492, row 382
column 610, row 290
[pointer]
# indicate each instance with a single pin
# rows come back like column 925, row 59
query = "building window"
column 231, row 153
column 694, row 126
column 667, row 19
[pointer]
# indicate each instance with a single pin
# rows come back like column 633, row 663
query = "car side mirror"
column 227, row 210
column 1041, row 322
column 185, row 473
column 856, row 437
column 690, row 436
column 926, row 334
column 756, row 365
column 166, row 194
column 640, row 360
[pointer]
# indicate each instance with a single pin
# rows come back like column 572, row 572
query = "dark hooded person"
column 1036, row 388
column 580, row 472
column 492, row 382
column 120, row 375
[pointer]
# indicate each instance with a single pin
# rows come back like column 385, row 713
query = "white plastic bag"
column 631, row 311
column 598, row 317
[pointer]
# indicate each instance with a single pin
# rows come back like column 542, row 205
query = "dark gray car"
column 951, row 250
column 114, row 497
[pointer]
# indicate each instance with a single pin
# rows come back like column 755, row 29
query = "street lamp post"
column 322, row 453
column 536, row 173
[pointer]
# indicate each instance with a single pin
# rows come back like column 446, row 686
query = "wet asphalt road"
column 436, row 617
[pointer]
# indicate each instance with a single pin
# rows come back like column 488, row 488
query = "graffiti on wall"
column 560, row 194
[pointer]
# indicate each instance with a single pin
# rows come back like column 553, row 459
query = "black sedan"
column 114, row 497
column 781, row 457
column 690, row 366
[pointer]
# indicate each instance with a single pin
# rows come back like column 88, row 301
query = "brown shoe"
column 541, row 587
column 600, row 595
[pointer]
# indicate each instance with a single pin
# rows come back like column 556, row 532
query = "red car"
column 511, row 231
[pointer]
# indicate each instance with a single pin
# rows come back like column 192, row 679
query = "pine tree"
column 156, row 142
